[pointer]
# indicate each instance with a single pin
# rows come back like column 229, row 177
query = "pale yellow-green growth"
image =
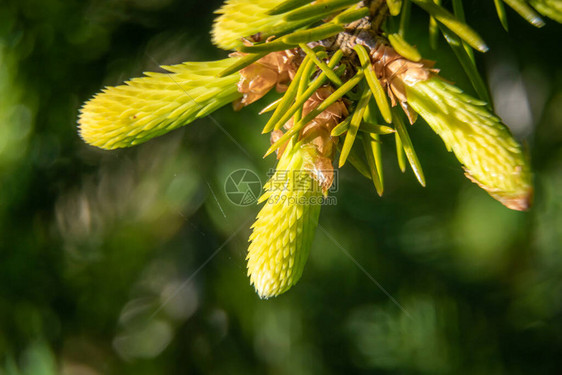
column 549, row 8
column 490, row 155
column 244, row 18
column 149, row 106
column 285, row 226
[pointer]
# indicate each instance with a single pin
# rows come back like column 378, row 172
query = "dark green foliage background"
column 103, row 254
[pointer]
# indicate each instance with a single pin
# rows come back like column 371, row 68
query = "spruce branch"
column 343, row 73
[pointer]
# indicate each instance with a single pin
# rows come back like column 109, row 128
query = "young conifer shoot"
column 349, row 81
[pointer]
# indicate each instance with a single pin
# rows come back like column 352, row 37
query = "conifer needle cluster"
column 349, row 81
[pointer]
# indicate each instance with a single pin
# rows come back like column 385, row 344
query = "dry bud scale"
column 347, row 83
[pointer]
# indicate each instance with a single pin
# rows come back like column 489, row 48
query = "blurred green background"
column 132, row 261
